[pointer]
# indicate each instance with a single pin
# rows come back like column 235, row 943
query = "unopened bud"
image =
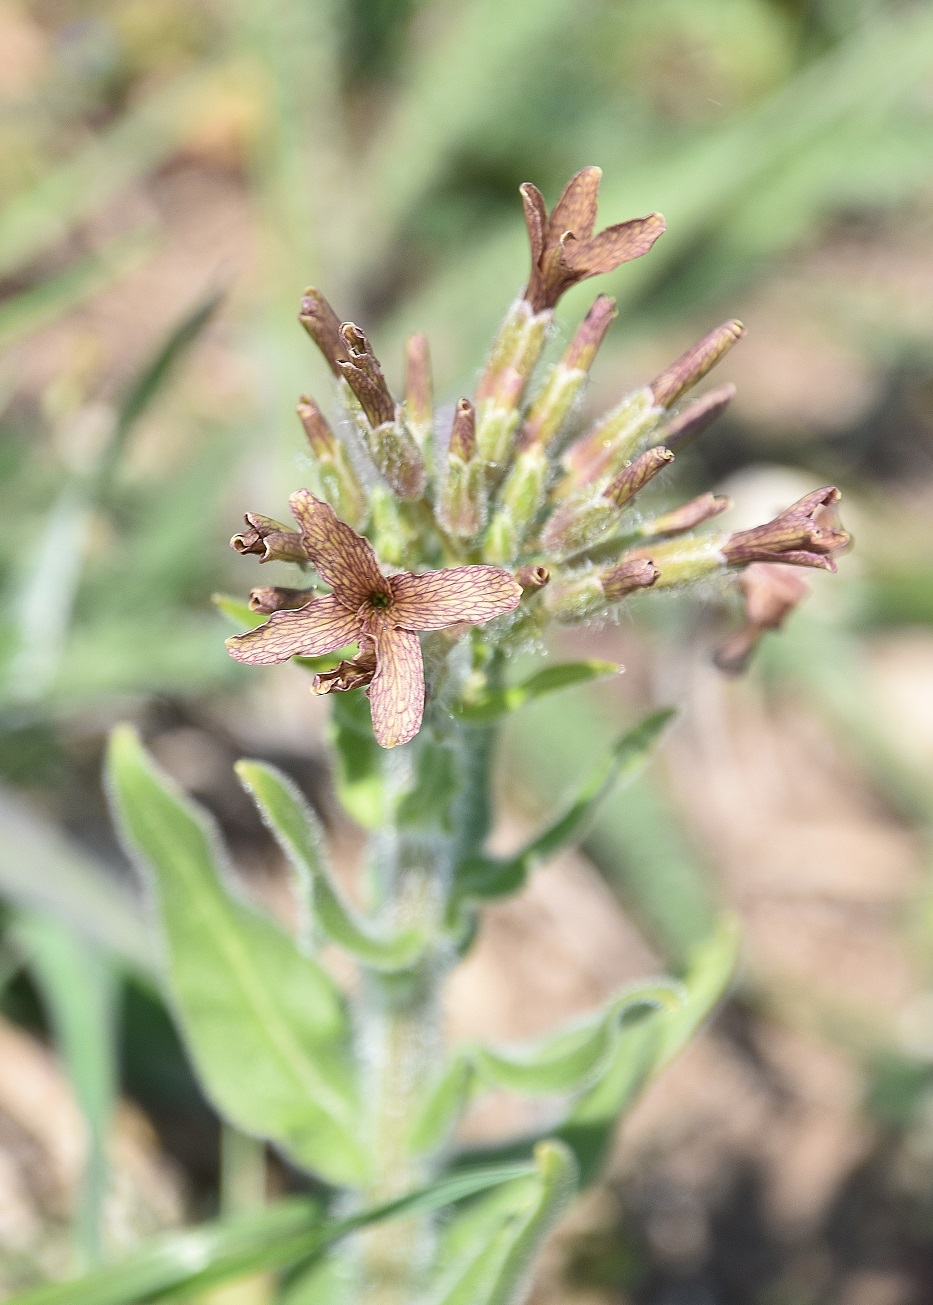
column 419, row 402
column 627, row 576
column 517, row 349
column 269, row 540
column 361, row 370
column 687, row 516
column 323, row 325
column 463, row 497
column 274, row 598
column 694, row 419
column 532, row 578
column 398, row 458
column 683, row 560
column 551, row 406
column 693, row 365
column 609, row 445
column 463, row 432
column 636, row 475
column 522, row 496
column 338, row 479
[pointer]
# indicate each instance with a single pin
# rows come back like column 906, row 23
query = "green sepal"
column 358, row 775
column 569, row 1060
column 265, row 1026
column 487, row 1253
column 297, row 830
column 482, row 877
column 501, row 702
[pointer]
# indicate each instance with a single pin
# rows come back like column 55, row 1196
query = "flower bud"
column 274, row 598
column 522, row 496
column 682, row 560
column 636, row 475
column 462, row 502
column 590, row 593
column 516, row 349
column 338, row 479
column 418, row 389
column 532, row 578
column 607, row 447
column 566, row 379
column 360, row 369
column 323, row 325
column 693, row 365
column 687, row 516
column 693, row 420
column 269, row 540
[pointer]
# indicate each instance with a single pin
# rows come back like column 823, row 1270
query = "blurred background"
column 172, row 174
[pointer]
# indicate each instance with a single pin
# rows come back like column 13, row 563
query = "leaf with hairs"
column 265, row 1026
column 501, row 702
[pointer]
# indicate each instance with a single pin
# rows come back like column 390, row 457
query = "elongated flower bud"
column 693, row 420
column 514, row 356
column 521, row 500
column 626, row 576
column 588, row 517
column 636, row 475
column 553, row 403
column 591, row 593
column 323, row 325
column 681, row 561
column 611, row 443
column 338, row 479
column 686, row 517
column 419, row 401
column 693, row 365
column 462, row 503
column 269, row 540
column 361, row 370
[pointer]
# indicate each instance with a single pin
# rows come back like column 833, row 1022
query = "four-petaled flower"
column 381, row 613
column 564, row 250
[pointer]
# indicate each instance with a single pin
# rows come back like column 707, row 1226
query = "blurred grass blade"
column 238, row 612
column 489, row 876
column 51, row 298
column 41, row 870
column 142, row 139
column 551, row 679
column 265, row 1025
column 77, row 988
column 181, row 1265
column 297, row 830
column 486, row 1256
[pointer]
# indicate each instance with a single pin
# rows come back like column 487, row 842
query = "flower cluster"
column 494, row 513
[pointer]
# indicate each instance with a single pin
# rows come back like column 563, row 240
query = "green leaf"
column 481, row 877
column 643, row 1051
column 264, row 1024
column 77, row 989
column 298, row 833
column 444, row 1105
column 358, row 775
column 183, row 1264
column 500, row 702
column 237, row 611
column 569, row 1060
column 487, row 1254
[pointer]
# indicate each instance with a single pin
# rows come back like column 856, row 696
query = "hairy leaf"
column 264, row 1024
column 500, row 702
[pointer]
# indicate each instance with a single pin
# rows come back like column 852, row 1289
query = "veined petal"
column 614, row 246
column 535, row 219
column 396, row 695
column 320, row 627
column 437, row 599
column 576, row 209
column 343, row 559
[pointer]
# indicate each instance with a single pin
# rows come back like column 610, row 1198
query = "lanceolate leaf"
column 500, row 702
column 487, row 1254
column 298, row 833
column 482, row 877
column 264, row 1024
column 181, row 1265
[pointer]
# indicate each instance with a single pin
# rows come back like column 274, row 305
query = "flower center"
column 379, row 601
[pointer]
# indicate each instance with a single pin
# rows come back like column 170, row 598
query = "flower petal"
column 343, row 559
column 320, row 627
column 535, row 219
column 576, row 209
column 614, row 246
column 396, row 695
column 437, row 599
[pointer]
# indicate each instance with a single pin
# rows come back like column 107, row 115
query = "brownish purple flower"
column 807, row 534
column 268, row 540
column 564, row 250
column 381, row 613
column 771, row 591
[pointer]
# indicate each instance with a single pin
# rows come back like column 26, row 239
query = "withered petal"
column 343, row 559
column 396, row 695
column 614, row 246
column 436, row 599
column 319, row 627
column 576, row 209
column 535, row 218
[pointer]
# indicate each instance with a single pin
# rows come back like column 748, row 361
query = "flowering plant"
column 433, row 548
